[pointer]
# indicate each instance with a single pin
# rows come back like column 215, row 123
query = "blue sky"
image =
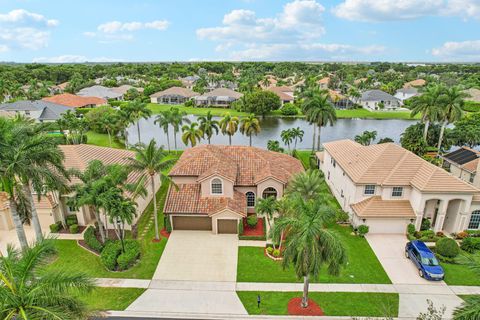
column 272, row 30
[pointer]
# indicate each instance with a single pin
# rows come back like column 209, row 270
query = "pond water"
column 272, row 127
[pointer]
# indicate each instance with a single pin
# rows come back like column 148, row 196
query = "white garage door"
column 387, row 225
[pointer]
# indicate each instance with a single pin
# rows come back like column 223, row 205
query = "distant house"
column 378, row 100
column 123, row 89
column 415, row 83
column 189, row 81
column 406, row 93
column 285, row 93
column 173, row 95
column 100, row 92
column 473, row 94
column 73, row 101
column 323, row 83
column 221, row 97
column 269, row 81
column 59, row 88
column 465, row 164
column 212, row 85
column 38, row 110
column 339, row 100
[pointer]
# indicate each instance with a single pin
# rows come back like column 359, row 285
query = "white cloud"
column 458, row 51
column 293, row 33
column 117, row 26
column 70, row 58
column 388, row 10
column 21, row 29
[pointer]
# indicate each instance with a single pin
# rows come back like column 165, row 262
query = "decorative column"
column 442, row 212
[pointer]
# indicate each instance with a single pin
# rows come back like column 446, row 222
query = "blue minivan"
column 425, row 261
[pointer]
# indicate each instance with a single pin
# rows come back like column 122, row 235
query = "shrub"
column 473, row 233
column 189, row 103
column 342, row 216
column 417, row 234
column 411, row 229
column 445, row 259
column 91, row 240
column 270, row 250
column 462, row 235
column 240, row 227
column 426, row 224
column 129, row 257
column 470, row 244
column 110, row 253
column 427, row 234
column 252, row 221
column 54, row 228
column 289, row 109
column 71, row 220
column 276, row 253
column 363, row 230
column 74, row 228
column 447, row 247
column 168, row 225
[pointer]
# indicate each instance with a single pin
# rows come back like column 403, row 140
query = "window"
column 328, row 176
column 472, row 177
column 474, row 220
column 72, row 209
column 397, row 191
column 341, row 194
column 250, row 199
column 369, row 189
column 269, row 192
column 334, row 163
column 217, row 186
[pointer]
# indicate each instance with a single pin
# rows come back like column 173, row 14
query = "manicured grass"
column 106, row 299
column 332, row 303
column 304, row 157
column 365, row 114
column 363, row 265
column 101, row 140
column 460, row 275
column 157, row 108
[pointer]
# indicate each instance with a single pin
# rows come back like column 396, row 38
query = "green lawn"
column 157, row 108
column 460, row 275
column 105, row 299
column 332, row 303
column 101, row 140
column 363, row 113
column 363, row 265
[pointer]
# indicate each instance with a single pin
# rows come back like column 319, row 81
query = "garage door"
column 387, row 225
column 227, row 226
column 192, row 223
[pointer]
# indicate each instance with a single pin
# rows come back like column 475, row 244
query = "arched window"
column 269, row 192
column 250, row 199
column 474, row 220
column 217, row 186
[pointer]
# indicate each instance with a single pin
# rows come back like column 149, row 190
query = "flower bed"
column 253, row 233
column 164, row 233
column 295, row 308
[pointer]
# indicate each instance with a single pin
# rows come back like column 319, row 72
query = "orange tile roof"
column 391, row 165
column 415, row 83
column 325, row 80
column 74, row 101
column 245, row 166
column 377, row 208
column 187, row 199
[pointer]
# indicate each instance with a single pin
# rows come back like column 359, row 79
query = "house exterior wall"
column 465, row 175
column 225, row 214
column 184, row 180
column 206, row 187
column 270, row 183
column 253, row 189
column 374, row 105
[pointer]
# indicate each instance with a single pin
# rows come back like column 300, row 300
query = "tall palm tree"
column 451, row 109
column 267, row 207
column 250, row 126
column 297, row 135
column 309, row 244
column 29, row 292
column 191, row 134
column 151, row 160
column 208, row 125
column 307, row 185
column 427, row 106
column 287, row 137
column 136, row 110
column 228, row 126
column 164, row 119
column 320, row 112
column 178, row 119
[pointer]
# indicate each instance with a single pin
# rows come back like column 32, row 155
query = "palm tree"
column 451, row 109
column 366, row 138
column 136, row 110
column 266, row 207
column 151, row 160
column 228, row 126
column 250, row 126
column 29, row 292
column 309, row 244
column 297, row 134
column 287, row 137
column 208, row 125
column 164, row 119
column 191, row 134
column 307, row 185
column 470, row 309
column 427, row 106
column 178, row 119
column 320, row 112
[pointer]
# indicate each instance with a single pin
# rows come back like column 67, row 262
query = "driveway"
column 390, row 251
column 196, row 274
column 10, row 237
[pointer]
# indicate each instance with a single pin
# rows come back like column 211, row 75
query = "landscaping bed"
column 257, row 232
column 352, row 304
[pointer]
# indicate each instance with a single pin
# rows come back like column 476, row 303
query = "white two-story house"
column 387, row 187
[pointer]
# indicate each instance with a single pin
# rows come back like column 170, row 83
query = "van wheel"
column 406, row 254
column 420, row 273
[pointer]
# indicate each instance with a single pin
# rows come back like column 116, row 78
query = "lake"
column 272, row 127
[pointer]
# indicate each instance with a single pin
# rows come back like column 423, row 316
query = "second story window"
column 472, row 178
column 217, row 186
column 369, row 189
column 397, row 191
column 250, row 199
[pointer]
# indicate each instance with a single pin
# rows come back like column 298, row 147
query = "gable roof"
column 222, row 92
column 415, row 83
column 99, row 92
column 377, row 95
column 245, row 166
column 281, row 92
column 391, row 165
column 376, row 207
column 124, row 88
column 50, row 111
column 175, row 91
column 71, row 100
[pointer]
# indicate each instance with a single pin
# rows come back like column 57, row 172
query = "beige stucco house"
column 216, row 185
column 387, row 187
column 53, row 207
column 465, row 164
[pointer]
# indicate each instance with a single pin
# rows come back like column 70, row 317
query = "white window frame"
column 475, row 215
column 254, row 198
column 397, row 192
column 367, row 187
column 215, row 181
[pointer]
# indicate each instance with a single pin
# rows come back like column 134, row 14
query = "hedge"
column 113, row 258
column 71, row 220
column 54, row 228
column 91, row 240
column 74, row 228
column 129, row 257
column 110, row 253
column 470, row 244
column 447, row 247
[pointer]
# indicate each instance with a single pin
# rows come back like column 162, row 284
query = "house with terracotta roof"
column 173, row 95
column 285, row 93
column 54, row 206
column 74, row 101
column 465, row 164
column 387, row 187
column 216, row 185
column 323, row 83
column 221, row 97
column 415, row 83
